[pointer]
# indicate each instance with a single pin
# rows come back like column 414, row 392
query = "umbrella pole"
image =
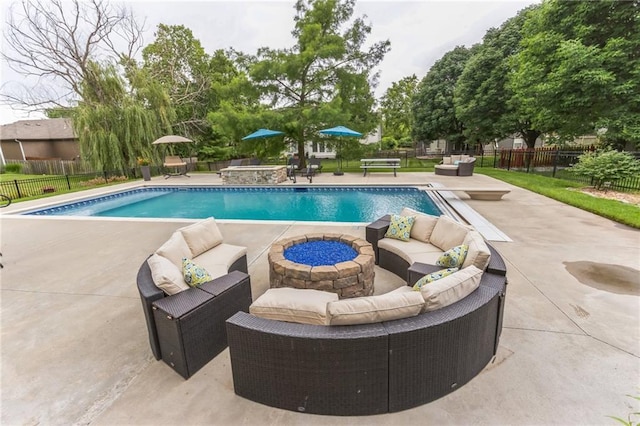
column 339, row 171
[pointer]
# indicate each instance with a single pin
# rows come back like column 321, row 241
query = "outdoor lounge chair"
column 315, row 164
column 179, row 166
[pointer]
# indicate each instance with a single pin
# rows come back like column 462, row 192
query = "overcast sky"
column 420, row 31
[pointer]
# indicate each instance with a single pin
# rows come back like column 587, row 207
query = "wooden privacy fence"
column 53, row 167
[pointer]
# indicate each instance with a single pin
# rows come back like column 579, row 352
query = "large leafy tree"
column 433, row 105
column 483, row 99
column 117, row 120
column 395, row 110
column 178, row 62
column 579, row 68
column 326, row 78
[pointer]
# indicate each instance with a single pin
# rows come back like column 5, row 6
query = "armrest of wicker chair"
column 149, row 293
column 465, row 168
column 375, row 232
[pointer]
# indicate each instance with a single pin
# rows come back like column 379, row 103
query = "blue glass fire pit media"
column 320, row 253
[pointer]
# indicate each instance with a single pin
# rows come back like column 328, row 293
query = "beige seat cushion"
column 372, row 309
column 222, row 254
column 166, row 275
column 478, row 254
column 201, row 236
column 450, row 289
column 448, row 233
column 430, row 258
column 411, row 251
column 423, row 224
column 446, row 160
column 174, row 249
column 173, row 161
column 304, row 306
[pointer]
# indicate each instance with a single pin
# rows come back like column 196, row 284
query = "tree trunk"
column 530, row 137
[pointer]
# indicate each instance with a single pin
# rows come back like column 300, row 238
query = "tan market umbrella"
column 171, row 139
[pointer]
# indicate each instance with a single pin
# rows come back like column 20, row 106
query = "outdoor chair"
column 293, row 164
column 316, row 164
column 176, row 163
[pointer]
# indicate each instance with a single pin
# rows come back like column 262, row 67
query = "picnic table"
column 380, row 163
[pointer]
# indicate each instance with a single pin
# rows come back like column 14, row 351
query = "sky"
column 420, row 31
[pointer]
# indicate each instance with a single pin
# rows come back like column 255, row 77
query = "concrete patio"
column 74, row 347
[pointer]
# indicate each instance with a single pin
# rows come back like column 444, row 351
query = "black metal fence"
column 24, row 188
column 556, row 163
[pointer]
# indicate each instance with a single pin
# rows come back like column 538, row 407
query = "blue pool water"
column 324, row 204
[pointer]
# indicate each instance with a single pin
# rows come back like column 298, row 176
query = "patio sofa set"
column 456, row 165
column 374, row 354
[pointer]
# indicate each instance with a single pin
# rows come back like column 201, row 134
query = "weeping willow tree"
column 116, row 122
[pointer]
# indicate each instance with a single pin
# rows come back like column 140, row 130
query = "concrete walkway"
column 74, row 347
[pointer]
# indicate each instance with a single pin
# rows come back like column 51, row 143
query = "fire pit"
column 339, row 263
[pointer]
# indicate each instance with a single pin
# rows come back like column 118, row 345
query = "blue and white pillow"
column 194, row 275
column 434, row 276
column 400, row 227
column 454, row 257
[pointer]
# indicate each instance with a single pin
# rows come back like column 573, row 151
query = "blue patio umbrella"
column 340, row 131
column 262, row 133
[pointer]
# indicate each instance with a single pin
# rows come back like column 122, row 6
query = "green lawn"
column 4, row 177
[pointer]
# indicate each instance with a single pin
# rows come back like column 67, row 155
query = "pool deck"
column 74, row 347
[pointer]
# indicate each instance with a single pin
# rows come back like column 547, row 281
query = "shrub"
column 606, row 166
column 13, row 168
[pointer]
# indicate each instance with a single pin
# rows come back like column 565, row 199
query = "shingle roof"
column 47, row 129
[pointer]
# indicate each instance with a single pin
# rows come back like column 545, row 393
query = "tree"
column 433, row 107
column 54, row 43
column 578, row 69
column 179, row 63
column 326, row 78
column 483, row 98
column 115, row 126
column 395, row 110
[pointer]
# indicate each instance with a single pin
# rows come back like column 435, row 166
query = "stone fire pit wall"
column 353, row 278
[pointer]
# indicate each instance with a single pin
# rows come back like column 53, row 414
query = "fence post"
column 68, row 182
column 15, row 182
column 509, row 160
column 104, row 174
column 555, row 163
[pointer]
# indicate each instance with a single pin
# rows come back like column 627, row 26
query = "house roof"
column 47, row 129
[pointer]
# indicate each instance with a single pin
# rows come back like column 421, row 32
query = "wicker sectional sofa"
column 186, row 325
column 456, row 165
column 372, row 368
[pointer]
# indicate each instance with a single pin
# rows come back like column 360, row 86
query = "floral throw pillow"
column 400, row 227
column 454, row 257
column 434, row 276
column 194, row 275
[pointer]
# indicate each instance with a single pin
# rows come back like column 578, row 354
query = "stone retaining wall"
column 353, row 278
column 254, row 175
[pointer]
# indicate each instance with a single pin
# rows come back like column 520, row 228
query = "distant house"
column 322, row 149
column 48, row 139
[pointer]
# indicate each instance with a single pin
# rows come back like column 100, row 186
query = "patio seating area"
column 75, row 348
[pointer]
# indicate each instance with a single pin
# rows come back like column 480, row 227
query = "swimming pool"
column 317, row 203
